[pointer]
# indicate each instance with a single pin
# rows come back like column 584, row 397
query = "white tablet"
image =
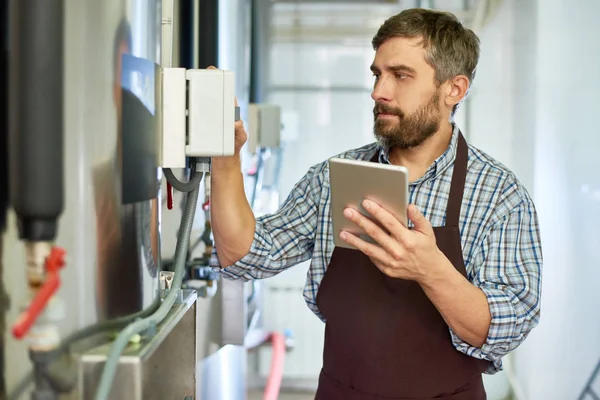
column 353, row 181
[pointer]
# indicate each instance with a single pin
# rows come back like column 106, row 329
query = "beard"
column 408, row 131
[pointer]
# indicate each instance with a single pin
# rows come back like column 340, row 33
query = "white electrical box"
column 211, row 113
column 198, row 115
column 264, row 126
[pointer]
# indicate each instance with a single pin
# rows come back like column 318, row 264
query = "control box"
column 198, row 115
column 264, row 126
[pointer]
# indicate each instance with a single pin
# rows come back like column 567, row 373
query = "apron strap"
column 457, row 187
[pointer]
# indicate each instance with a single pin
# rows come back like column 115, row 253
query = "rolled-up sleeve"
column 282, row 239
column 507, row 267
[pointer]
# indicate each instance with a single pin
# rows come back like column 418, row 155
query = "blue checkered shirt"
column 499, row 233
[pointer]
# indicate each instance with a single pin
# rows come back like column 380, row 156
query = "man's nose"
column 382, row 90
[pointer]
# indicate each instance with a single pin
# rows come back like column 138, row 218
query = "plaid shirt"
column 499, row 233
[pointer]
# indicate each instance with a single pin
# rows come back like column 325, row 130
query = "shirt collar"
column 438, row 166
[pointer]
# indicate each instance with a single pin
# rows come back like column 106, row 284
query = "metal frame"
column 589, row 389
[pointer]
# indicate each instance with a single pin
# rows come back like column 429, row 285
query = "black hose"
column 36, row 116
column 182, row 186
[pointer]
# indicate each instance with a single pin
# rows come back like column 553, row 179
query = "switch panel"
column 198, row 115
column 211, row 113
column 264, row 126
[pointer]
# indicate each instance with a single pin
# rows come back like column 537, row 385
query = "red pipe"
column 276, row 372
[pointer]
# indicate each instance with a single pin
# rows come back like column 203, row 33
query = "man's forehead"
column 397, row 51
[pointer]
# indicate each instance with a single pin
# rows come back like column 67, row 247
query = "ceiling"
column 353, row 20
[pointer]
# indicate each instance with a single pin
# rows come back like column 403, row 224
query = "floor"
column 257, row 395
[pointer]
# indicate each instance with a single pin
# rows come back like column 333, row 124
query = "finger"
column 240, row 131
column 369, row 249
column 371, row 229
column 421, row 224
column 211, row 67
column 386, row 219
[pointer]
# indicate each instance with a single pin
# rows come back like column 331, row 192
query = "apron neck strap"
column 457, row 187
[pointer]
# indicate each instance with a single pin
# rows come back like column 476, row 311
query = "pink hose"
column 276, row 372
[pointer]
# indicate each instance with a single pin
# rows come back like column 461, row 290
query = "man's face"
column 407, row 100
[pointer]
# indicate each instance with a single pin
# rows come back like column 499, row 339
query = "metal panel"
column 161, row 367
column 234, row 312
column 224, row 375
column 110, row 224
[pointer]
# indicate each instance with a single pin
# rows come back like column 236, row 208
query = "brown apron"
column 384, row 339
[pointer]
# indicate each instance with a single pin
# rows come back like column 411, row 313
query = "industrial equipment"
column 264, row 126
column 98, row 111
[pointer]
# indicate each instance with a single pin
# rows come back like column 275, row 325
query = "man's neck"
column 418, row 159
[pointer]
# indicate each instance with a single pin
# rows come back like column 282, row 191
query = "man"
column 431, row 308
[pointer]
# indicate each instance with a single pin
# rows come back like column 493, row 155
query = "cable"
column 182, row 186
column 139, row 326
column 117, row 323
column 122, row 322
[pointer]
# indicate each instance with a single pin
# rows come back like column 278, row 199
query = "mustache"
column 385, row 109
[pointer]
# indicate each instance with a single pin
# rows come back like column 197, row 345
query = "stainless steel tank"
column 111, row 225
column 111, row 220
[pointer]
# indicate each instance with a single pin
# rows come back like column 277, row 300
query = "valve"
column 52, row 265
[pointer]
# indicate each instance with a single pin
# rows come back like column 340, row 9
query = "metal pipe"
column 186, row 35
column 4, row 301
column 207, row 41
column 3, row 114
column 36, row 116
column 260, row 39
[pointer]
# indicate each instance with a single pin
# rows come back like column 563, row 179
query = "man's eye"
column 401, row 76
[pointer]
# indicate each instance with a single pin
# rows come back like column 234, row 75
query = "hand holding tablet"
column 353, row 181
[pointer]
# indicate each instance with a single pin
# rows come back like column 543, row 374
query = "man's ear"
column 456, row 90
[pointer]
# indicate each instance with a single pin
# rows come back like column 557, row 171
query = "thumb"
column 420, row 222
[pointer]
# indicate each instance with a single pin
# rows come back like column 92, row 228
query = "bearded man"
column 433, row 305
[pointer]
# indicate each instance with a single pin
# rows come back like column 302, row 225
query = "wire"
column 141, row 325
column 117, row 323
column 122, row 322
column 105, row 326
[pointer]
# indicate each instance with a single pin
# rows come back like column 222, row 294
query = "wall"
column 328, row 87
column 539, row 119
column 567, row 192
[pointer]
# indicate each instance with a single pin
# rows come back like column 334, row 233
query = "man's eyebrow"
column 395, row 68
